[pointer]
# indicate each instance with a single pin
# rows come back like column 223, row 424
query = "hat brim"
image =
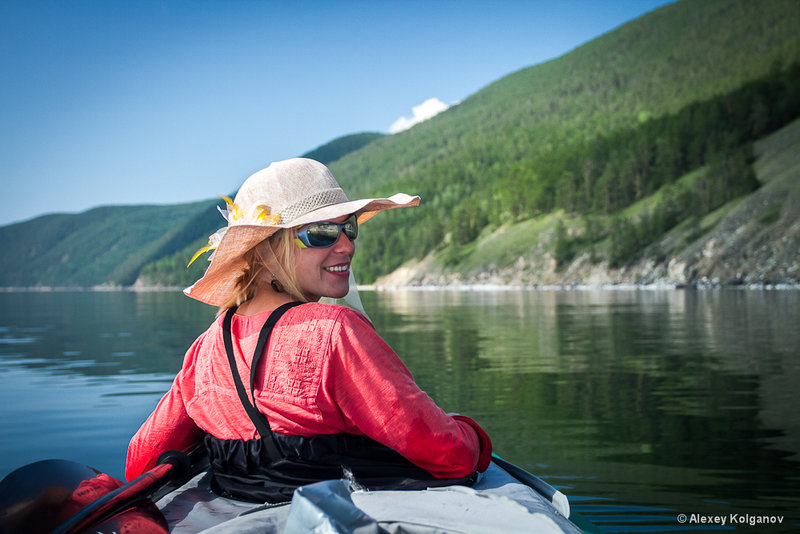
column 218, row 283
column 366, row 208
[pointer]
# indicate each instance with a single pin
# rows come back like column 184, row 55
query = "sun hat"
column 286, row 194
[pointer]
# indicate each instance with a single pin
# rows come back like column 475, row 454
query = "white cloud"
column 424, row 111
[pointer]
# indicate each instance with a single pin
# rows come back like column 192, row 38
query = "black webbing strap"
column 259, row 419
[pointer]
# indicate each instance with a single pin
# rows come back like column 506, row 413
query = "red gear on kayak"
column 325, row 371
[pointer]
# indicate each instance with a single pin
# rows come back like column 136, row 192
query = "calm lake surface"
column 640, row 404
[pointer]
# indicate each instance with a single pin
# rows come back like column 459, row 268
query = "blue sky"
column 153, row 102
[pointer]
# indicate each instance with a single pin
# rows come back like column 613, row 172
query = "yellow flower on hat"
column 263, row 216
column 213, row 242
column 234, row 214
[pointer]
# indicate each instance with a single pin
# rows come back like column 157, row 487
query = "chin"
column 338, row 293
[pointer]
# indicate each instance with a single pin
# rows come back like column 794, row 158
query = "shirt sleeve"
column 169, row 427
column 377, row 396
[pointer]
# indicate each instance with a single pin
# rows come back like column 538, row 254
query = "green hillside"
column 656, row 64
column 595, row 158
column 341, row 146
column 103, row 246
column 515, row 149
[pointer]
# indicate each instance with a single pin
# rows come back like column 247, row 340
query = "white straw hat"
column 286, row 194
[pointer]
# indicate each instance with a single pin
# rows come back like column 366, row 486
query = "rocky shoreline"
column 582, row 276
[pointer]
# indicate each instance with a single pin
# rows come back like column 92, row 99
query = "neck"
column 265, row 299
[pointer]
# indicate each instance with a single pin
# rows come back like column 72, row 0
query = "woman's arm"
column 377, row 395
column 169, row 427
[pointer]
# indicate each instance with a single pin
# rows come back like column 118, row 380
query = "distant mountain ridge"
column 552, row 174
column 342, row 146
column 103, row 246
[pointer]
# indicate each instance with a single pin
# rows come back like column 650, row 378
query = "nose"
column 344, row 245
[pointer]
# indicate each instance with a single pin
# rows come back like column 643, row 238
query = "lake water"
column 640, row 404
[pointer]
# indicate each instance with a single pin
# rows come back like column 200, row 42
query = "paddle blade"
column 39, row 497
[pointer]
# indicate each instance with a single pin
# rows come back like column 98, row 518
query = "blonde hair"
column 273, row 257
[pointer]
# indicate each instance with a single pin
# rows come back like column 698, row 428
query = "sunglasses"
column 325, row 234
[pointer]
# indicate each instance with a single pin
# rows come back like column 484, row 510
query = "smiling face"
column 325, row 272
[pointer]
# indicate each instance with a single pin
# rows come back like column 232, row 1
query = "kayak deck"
column 496, row 503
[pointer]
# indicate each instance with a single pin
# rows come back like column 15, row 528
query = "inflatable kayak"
column 64, row 497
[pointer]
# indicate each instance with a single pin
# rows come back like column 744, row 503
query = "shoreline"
column 445, row 287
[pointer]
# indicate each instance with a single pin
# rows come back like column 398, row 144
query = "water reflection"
column 664, row 396
column 99, row 333
column 641, row 404
column 80, row 371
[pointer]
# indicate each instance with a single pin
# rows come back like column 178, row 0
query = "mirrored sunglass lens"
column 350, row 228
column 322, row 234
column 325, row 234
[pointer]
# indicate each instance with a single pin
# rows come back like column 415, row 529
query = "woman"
column 319, row 395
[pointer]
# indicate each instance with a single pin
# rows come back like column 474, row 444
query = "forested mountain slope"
column 752, row 239
column 528, row 145
column 103, row 246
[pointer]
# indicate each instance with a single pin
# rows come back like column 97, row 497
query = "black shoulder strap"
column 263, row 337
column 259, row 420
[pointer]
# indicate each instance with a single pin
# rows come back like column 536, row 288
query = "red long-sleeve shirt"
column 325, row 371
